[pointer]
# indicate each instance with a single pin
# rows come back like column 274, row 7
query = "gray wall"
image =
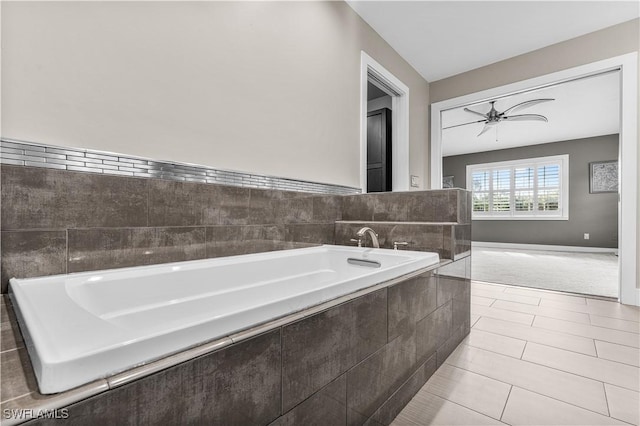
column 596, row 214
column 265, row 87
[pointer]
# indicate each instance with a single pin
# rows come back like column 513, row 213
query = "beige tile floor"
column 536, row 357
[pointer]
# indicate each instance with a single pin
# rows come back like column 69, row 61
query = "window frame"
column 563, row 200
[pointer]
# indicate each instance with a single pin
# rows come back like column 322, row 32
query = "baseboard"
column 630, row 296
column 543, row 247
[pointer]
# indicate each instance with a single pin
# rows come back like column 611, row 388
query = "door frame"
column 399, row 123
column 629, row 293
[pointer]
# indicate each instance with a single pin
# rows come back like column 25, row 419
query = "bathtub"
column 84, row 326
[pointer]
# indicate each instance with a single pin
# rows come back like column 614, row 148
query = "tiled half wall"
column 356, row 363
column 60, row 221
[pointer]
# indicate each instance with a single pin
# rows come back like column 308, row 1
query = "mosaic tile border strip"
column 31, row 154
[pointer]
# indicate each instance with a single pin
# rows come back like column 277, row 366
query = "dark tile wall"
column 445, row 205
column 317, row 350
column 354, row 364
column 55, row 221
column 357, row 363
column 450, row 241
column 437, row 221
column 239, row 385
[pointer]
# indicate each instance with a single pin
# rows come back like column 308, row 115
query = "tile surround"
column 357, row 376
column 106, row 248
column 372, row 382
column 205, row 390
column 34, row 198
column 325, row 407
column 181, row 220
column 320, row 348
column 58, row 221
column 29, row 254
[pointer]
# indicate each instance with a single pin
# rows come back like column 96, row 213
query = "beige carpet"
column 585, row 273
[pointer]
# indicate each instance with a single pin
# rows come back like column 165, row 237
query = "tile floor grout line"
column 615, row 329
column 578, row 375
column 568, row 403
column 17, row 397
column 549, row 291
column 6, row 351
column 591, row 313
column 488, row 350
column 543, row 307
column 592, row 356
column 506, row 401
column 524, row 350
column 613, row 360
column 606, row 400
column 545, row 344
column 457, row 403
column 556, row 347
column 476, row 321
column 587, row 337
column 479, row 374
column 618, row 319
column 502, row 335
column 529, row 390
column 545, row 291
column 499, row 309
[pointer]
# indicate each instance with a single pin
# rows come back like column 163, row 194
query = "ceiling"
column 582, row 108
column 374, row 93
column 443, row 38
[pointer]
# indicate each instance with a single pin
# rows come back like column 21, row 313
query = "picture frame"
column 447, row 182
column 603, row 176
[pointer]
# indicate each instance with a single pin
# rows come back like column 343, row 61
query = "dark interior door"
column 379, row 150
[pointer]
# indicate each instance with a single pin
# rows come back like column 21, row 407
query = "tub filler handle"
column 359, row 241
column 364, row 262
column 399, row 243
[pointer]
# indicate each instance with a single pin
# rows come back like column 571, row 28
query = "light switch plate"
column 415, row 181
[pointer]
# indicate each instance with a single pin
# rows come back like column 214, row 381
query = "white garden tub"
column 84, row 326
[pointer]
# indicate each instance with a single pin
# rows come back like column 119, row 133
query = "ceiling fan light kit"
column 493, row 117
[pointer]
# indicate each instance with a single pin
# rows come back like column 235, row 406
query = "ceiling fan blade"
column 464, row 124
column 525, row 104
column 526, row 117
column 485, row 129
column 475, row 112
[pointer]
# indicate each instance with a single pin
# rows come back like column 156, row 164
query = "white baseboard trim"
column 484, row 244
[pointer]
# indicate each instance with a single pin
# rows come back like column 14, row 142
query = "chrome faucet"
column 374, row 237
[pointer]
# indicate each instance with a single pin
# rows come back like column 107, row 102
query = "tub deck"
column 86, row 326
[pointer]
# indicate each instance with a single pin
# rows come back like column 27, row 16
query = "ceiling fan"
column 494, row 117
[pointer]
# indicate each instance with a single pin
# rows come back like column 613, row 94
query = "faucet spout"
column 374, row 237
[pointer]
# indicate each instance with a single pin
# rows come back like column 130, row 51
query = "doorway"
column 627, row 155
column 397, row 153
column 379, row 139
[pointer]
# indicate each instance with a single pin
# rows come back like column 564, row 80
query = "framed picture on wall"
column 447, row 181
column 603, row 176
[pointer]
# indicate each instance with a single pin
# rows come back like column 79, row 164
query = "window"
column 530, row 189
